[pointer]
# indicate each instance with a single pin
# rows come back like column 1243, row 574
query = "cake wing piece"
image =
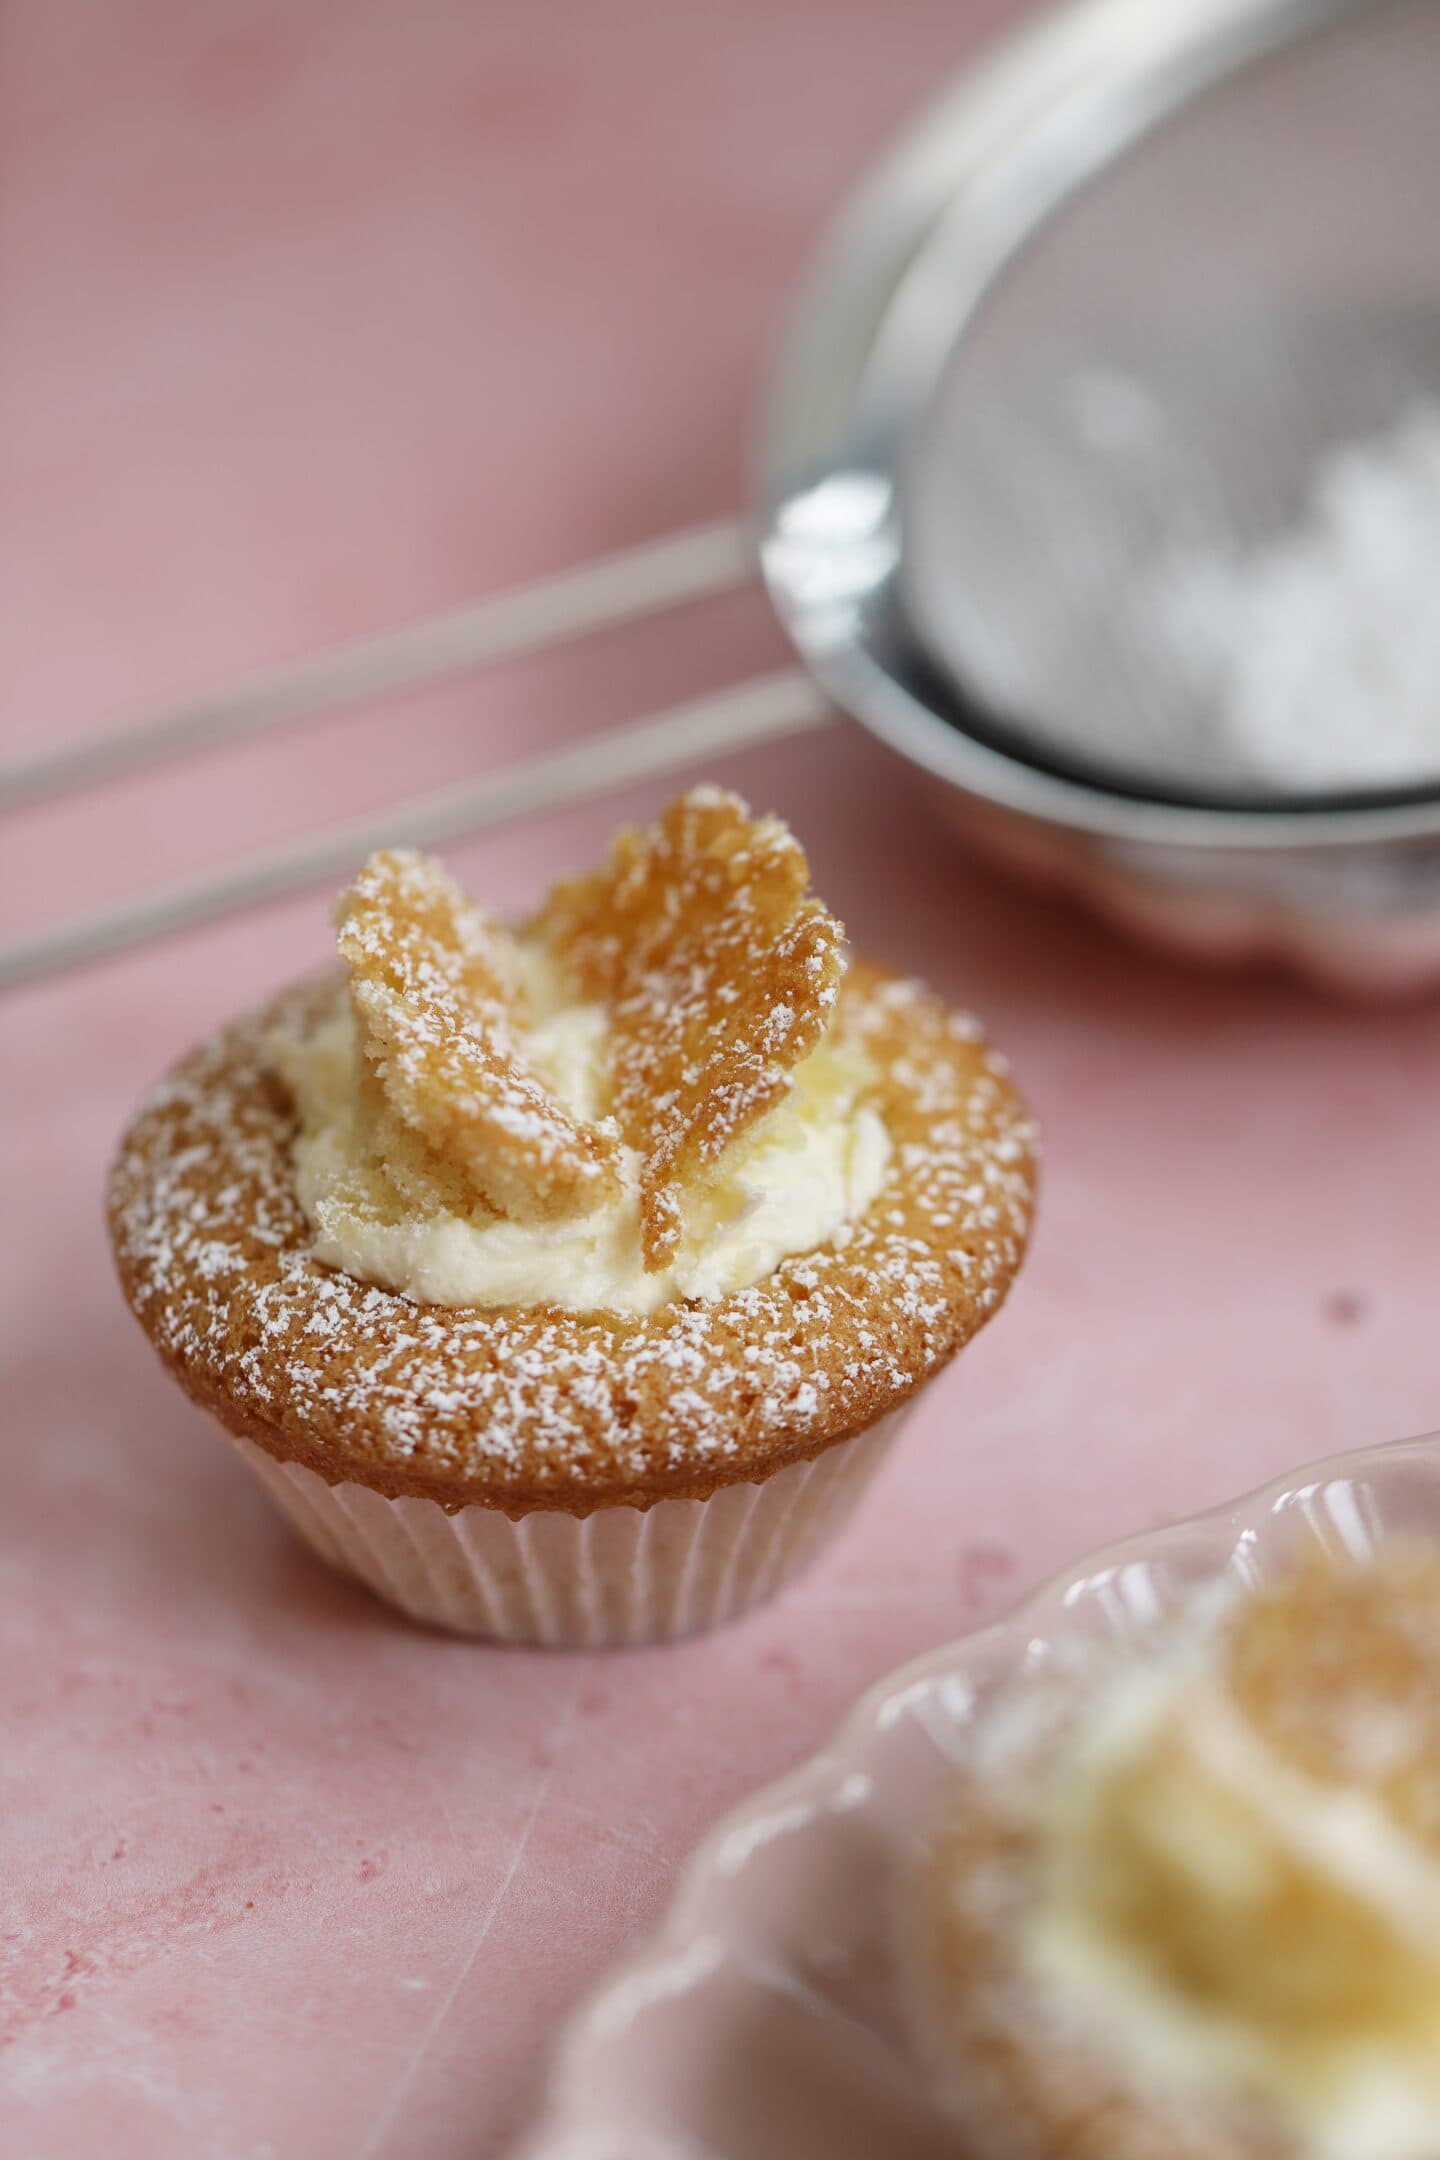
column 720, row 971
column 434, row 992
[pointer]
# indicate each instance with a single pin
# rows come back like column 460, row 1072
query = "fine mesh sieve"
column 1128, row 300
column 1058, row 398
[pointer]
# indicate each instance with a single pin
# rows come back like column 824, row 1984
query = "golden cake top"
column 532, row 1405
column 1339, row 1669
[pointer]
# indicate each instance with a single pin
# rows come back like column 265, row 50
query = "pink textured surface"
column 318, row 315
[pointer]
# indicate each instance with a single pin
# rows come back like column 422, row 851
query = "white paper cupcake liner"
column 621, row 1575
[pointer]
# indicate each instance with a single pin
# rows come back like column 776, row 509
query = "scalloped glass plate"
column 763, row 2019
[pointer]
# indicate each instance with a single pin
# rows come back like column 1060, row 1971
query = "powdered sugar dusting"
column 1319, row 650
column 452, row 1103
column 528, row 1407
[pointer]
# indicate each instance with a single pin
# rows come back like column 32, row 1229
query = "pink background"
column 318, row 314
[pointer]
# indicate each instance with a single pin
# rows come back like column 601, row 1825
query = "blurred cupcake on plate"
column 1192, row 1911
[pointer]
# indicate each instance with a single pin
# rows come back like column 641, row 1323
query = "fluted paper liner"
column 622, row 1575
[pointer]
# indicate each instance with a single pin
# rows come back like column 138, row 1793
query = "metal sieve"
column 1096, row 329
column 1112, row 306
column 1089, row 340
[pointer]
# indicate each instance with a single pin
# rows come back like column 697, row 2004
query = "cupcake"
column 1193, row 1912
column 567, row 1284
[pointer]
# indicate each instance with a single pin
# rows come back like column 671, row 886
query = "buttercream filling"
column 789, row 1184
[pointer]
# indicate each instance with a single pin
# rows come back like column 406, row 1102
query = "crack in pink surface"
column 559, row 1745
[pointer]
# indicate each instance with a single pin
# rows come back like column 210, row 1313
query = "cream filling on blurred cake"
column 1232, row 1924
column 800, row 1173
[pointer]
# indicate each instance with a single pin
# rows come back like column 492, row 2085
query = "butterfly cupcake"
column 567, row 1283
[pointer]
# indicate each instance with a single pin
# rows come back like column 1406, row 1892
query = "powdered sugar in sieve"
column 1317, row 652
